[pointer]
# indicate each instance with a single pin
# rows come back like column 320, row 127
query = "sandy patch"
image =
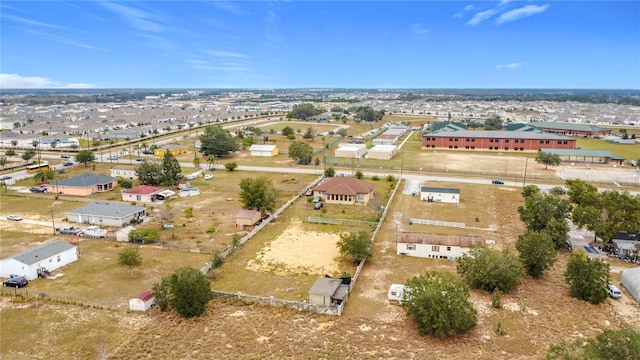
column 298, row 251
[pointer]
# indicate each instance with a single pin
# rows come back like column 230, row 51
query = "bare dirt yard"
column 290, row 253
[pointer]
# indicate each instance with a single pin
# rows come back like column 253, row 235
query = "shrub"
column 375, row 178
column 211, row 230
column 217, row 260
column 390, row 178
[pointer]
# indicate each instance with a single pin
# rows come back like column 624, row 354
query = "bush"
column 375, row 178
column 558, row 190
column 359, row 175
column 217, row 260
column 231, row 166
column 211, row 230
column 390, row 178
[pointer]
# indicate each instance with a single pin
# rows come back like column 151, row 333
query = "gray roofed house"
column 50, row 256
column 83, row 185
column 106, row 213
column 328, row 291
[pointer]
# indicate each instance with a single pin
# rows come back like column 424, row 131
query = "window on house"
column 506, row 140
column 411, row 246
column 58, row 258
column 435, row 248
column 138, row 197
column 448, row 248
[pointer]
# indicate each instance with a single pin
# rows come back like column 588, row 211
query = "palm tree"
column 196, row 162
column 211, row 159
column 44, row 176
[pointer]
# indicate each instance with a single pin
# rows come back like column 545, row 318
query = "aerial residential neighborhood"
column 320, row 180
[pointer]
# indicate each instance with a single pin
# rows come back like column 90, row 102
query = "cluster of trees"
column 304, row 111
column 488, row 269
column 587, row 278
column 187, row 291
column 366, row 113
column 144, row 235
column 166, row 173
column 217, row 141
column 259, row 194
column 605, row 213
column 301, row 151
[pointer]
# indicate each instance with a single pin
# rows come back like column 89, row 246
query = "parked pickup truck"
column 70, row 231
column 94, row 232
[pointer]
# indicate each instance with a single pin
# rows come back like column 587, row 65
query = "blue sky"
column 285, row 44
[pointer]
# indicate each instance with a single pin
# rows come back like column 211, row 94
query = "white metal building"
column 382, row 152
column 631, row 282
column 263, row 150
column 446, row 195
column 354, row 151
column 50, row 255
column 143, row 301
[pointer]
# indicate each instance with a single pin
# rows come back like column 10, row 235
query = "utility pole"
column 524, row 179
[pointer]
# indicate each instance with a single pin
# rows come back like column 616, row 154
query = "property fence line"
column 24, row 294
column 447, row 224
column 322, row 220
column 272, row 301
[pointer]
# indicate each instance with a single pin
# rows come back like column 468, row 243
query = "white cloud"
column 468, row 8
column 523, row 12
column 504, row 2
column 480, row 17
column 511, row 66
column 136, row 18
column 229, row 7
column 200, row 64
column 418, row 29
column 460, row 14
column 29, row 22
column 15, row 81
column 223, row 53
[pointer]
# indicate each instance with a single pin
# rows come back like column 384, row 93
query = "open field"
column 627, row 151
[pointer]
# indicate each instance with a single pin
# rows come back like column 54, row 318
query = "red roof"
column 145, row 295
column 344, row 186
column 143, row 190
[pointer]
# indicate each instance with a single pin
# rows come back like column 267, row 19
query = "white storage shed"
column 631, row 282
column 143, row 301
column 354, row 151
column 382, row 152
column 396, row 291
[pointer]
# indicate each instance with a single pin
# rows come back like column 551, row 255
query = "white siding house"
column 435, row 246
column 445, row 195
column 50, row 255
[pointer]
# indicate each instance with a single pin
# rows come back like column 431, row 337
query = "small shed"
column 328, row 291
column 631, row 282
column 246, row 218
column 353, row 151
column 382, row 152
column 263, row 150
column 395, row 292
column 123, row 234
column 143, row 301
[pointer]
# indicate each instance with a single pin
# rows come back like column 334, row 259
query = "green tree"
column 85, row 157
column 356, row 245
column 28, row 154
column 44, row 176
column 621, row 344
column 288, row 130
column 587, row 278
column 439, row 304
column 162, row 292
column 247, row 141
column 558, row 231
column 130, row 258
column 330, row 172
column 217, row 141
column 488, row 269
column 196, row 162
column 230, row 165
column 150, row 173
column 170, row 169
column 530, row 190
column 11, row 152
column 301, row 151
column 537, row 252
column 258, row 194
column 366, row 113
column 190, row 292
column 3, row 161
column 539, row 209
column 342, row 132
column 309, row 135
column 494, row 123
column 211, row 160
column 547, row 159
column 144, row 235
column 358, row 174
column 303, row 111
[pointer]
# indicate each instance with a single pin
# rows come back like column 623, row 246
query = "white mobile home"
column 446, row 195
column 50, row 255
column 396, row 291
column 435, row 246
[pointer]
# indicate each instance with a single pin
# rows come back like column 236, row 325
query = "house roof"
column 145, row 295
column 107, row 209
column 440, row 190
column 325, row 286
column 498, row 134
column 344, row 186
column 568, row 126
column 262, row 147
column 582, row 152
column 246, row 214
column 437, row 239
column 144, row 190
column 627, row 244
column 86, row 180
column 43, row 251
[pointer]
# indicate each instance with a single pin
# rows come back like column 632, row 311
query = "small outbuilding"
column 263, row 150
column 328, row 291
column 382, row 152
column 352, row 151
column 396, row 291
column 631, row 282
column 246, row 218
column 143, row 301
column 123, row 234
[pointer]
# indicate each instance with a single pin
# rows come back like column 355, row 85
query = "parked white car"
column 94, row 232
column 613, row 291
column 192, row 177
column 208, row 177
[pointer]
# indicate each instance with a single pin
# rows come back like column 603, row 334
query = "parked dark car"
column 17, row 282
column 67, row 163
column 318, row 206
column 147, row 152
column 70, row 231
column 38, row 189
column 497, row 182
column 65, row 156
column 6, row 177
